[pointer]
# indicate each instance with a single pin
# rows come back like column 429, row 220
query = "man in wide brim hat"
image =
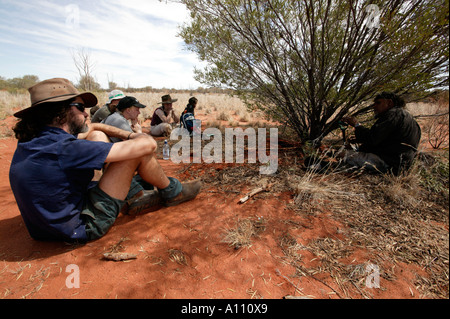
column 163, row 117
column 55, row 90
column 166, row 99
column 57, row 155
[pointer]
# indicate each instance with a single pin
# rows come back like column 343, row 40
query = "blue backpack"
column 187, row 121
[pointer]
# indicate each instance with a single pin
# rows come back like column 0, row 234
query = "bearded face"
column 77, row 126
column 76, row 118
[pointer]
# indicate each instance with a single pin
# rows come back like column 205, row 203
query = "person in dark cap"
column 126, row 118
column 163, row 117
column 127, row 111
column 390, row 145
column 52, row 170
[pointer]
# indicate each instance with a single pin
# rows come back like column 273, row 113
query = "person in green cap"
column 109, row 108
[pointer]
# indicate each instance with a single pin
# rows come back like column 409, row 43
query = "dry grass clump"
column 223, row 116
column 5, row 130
column 290, row 248
column 315, row 190
column 244, row 118
column 348, row 277
column 402, row 191
column 214, row 123
column 433, row 172
column 389, row 216
column 178, row 256
column 422, row 108
column 245, row 230
column 434, row 120
column 11, row 102
column 117, row 247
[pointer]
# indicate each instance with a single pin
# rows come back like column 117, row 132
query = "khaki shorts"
column 161, row 129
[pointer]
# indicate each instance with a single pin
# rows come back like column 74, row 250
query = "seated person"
column 163, row 116
column 109, row 108
column 94, row 109
column 57, row 153
column 126, row 116
column 390, row 145
column 188, row 116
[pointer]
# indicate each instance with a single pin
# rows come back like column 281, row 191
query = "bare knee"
column 153, row 146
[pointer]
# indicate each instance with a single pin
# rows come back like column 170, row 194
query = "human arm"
column 351, row 120
column 134, row 145
column 135, row 126
column 162, row 116
column 383, row 130
column 110, row 131
column 166, row 119
column 137, row 145
column 175, row 117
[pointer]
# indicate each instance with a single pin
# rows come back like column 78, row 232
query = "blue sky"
column 131, row 42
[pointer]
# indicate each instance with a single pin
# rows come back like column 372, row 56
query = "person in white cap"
column 109, row 108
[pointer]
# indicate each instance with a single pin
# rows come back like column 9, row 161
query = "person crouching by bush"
column 390, row 145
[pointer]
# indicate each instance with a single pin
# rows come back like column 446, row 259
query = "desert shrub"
column 244, row 118
column 437, row 131
column 434, row 172
column 223, row 116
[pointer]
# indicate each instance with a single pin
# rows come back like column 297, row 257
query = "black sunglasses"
column 79, row 106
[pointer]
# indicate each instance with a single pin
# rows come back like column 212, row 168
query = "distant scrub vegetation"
column 17, row 85
column 21, row 85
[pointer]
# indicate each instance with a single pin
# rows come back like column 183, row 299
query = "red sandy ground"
column 33, row 269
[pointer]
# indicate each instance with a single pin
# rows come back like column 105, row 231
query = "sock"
column 172, row 190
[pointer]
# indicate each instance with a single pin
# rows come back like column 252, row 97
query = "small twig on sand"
column 253, row 193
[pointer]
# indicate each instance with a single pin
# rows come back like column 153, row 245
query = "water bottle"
column 166, row 151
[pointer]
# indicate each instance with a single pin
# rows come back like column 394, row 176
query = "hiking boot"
column 188, row 192
column 144, row 201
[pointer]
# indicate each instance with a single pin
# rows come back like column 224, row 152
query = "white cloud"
column 133, row 42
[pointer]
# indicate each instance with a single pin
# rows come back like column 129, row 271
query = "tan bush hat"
column 55, row 90
column 166, row 99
